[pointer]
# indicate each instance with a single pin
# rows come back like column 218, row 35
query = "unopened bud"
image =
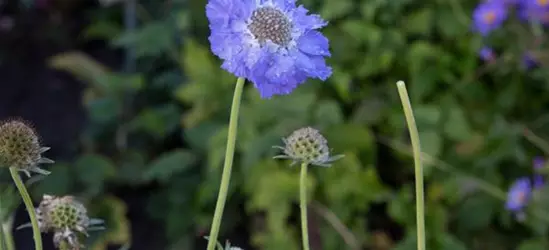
column 308, row 146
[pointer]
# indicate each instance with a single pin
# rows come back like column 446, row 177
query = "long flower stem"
column 2, row 238
column 227, row 165
column 30, row 208
column 303, row 205
column 8, row 236
column 414, row 137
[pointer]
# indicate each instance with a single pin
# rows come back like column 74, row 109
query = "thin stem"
column 2, row 238
column 227, row 165
column 30, row 208
column 8, row 236
column 414, row 137
column 303, row 205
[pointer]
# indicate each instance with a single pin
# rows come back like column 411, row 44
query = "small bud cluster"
column 64, row 216
column 308, row 146
column 20, row 148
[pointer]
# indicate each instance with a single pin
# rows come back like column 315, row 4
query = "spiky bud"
column 307, row 145
column 20, row 148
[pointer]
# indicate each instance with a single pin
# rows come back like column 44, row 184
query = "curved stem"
column 227, row 165
column 30, row 208
column 303, row 206
column 414, row 137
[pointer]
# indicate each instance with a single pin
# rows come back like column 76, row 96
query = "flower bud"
column 20, row 148
column 308, row 146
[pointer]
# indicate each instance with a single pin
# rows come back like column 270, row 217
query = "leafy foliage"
column 165, row 125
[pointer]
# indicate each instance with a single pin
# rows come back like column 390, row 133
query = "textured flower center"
column 542, row 3
column 268, row 23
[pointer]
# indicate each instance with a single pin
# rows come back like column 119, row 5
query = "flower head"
column 519, row 194
column 272, row 43
column 65, row 216
column 489, row 16
column 20, row 148
column 534, row 10
column 307, row 145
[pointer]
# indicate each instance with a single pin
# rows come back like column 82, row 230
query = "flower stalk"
column 30, row 207
column 303, row 205
column 416, row 148
column 227, row 165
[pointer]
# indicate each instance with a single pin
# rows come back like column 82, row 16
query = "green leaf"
column 420, row 22
column 153, row 39
column 477, row 212
column 334, row 9
column 349, row 137
column 168, row 164
column 532, row 244
column 93, row 171
column 457, row 127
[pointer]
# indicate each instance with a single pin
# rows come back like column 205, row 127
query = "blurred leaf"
column 168, row 164
column 532, row 245
column 153, row 39
column 93, row 171
column 334, row 9
column 477, row 212
column 113, row 211
column 457, row 127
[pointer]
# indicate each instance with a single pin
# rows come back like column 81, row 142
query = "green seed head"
column 307, row 145
column 20, row 147
column 62, row 213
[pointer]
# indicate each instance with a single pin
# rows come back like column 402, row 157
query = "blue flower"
column 272, row 43
column 489, row 16
column 534, row 10
column 519, row 195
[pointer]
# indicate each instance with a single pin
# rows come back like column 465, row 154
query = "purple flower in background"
column 489, row 16
column 538, row 164
column 519, row 195
column 534, row 10
column 272, row 43
column 487, row 54
column 528, row 62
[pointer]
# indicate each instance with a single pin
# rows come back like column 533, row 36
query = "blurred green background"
column 135, row 108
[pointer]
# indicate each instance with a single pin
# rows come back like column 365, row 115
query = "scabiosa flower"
column 272, row 43
column 534, row 10
column 519, row 195
column 489, row 16
column 487, row 54
column 307, row 145
column 20, row 148
column 65, row 217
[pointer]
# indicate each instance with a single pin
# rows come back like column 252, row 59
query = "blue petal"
column 302, row 21
column 314, row 43
column 312, row 66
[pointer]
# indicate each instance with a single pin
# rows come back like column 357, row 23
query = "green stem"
column 227, row 165
column 8, row 236
column 303, row 205
column 30, row 208
column 414, row 137
column 2, row 238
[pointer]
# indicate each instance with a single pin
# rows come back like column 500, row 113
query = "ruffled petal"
column 314, row 43
column 302, row 21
